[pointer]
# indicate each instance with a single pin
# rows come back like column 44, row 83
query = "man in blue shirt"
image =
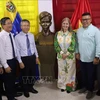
column 88, row 52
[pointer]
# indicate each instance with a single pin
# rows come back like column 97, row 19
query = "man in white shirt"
column 7, row 59
column 1, row 73
column 27, row 57
column 88, row 52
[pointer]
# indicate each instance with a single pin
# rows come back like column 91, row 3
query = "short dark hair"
column 86, row 13
column 3, row 20
column 25, row 20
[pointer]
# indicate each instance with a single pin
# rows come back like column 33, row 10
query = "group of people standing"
column 84, row 45
column 21, row 48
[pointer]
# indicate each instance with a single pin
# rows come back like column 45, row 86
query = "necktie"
column 12, row 45
column 28, row 46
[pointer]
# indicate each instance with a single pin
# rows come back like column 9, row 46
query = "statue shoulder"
column 38, row 35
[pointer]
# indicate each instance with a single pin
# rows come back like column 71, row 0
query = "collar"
column 24, row 33
column 45, row 33
column 87, row 27
column 64, row 34
column 5, row 32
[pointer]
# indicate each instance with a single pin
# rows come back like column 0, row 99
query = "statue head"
column 45, row 20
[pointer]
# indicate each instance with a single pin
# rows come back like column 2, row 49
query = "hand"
column 8, row 70
column 96, row 61
column 77, row 56
column 37, row 60
column 21, row 65
column 1, row 70
column 64, row 56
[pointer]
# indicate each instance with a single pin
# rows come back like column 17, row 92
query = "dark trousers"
column 9, row 79
column 88, row 75
column 98, row 75
column 29, row 72
column 1, row 86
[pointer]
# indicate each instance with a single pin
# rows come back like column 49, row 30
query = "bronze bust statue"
column 45, row 37
column 45, row 46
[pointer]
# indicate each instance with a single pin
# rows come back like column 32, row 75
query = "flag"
column 82, row 6
column 12, row 13
column 29, row 9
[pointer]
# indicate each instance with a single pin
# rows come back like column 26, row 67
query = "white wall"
column 46, row 5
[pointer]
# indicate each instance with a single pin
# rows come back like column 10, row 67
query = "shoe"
column 89, row 95
column 62, row 90
column 26, row 94
column 83, row 90
column 14, row 99
column 34, row 91
column 18, row 94
column 98, row 93
column 68, row 91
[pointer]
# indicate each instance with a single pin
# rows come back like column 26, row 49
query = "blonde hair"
column 70, row 28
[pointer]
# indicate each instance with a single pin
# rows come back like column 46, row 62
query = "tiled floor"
column 49, row 91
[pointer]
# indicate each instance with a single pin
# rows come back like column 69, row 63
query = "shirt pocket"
column 91, row 34
column 90, row 37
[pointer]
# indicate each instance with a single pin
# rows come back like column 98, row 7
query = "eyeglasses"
column 86, row 19
column 8, row 24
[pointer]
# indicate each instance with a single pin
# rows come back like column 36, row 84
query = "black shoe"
column 98, row 93
column 68, row 91
column 26, row 94
column 89, row 95
column 34, row 91
column 62, row 90
column 18, row 94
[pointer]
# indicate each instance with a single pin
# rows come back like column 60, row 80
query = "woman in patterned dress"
column 64, row 43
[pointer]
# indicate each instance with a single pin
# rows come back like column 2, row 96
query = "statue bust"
column 45, row 37
column 45, row 46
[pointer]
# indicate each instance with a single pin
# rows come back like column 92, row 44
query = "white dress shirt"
column 6, row 52
column 21, row 45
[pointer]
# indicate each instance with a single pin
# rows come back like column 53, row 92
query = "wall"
column 65, row 8
column 46, row 5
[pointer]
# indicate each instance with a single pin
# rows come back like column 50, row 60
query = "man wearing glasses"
column 88, row 52
column 7, row 57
